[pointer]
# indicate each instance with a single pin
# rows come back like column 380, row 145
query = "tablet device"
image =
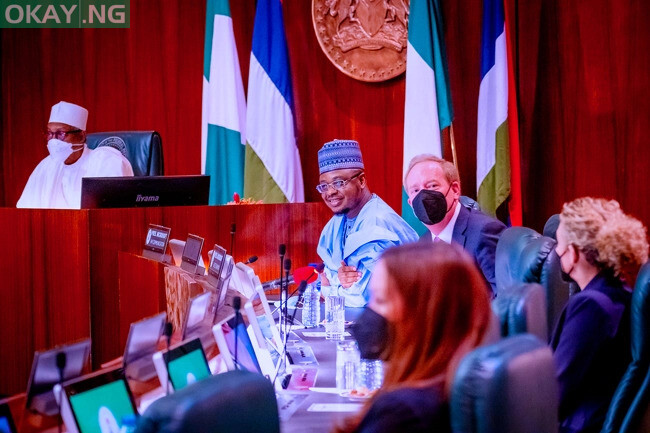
column 198, row 320
column 45, row 374
column 224, row 282
column 246, row 356
column 6, row 420
column 96, row 403
column 265, row 330
column 191, row 260
column 184, row 364
column 216, row 264
column 245, row 279
column 141, row 344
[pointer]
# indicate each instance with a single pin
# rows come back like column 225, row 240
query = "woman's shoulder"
column 408, row 409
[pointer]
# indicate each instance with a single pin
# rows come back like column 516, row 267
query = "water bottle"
column 311, row 306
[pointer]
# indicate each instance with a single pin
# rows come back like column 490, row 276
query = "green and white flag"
column 224, row 106
column 427, row 109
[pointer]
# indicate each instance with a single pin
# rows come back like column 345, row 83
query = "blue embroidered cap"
column 339, row 154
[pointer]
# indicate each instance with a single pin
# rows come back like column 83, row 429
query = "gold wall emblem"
column 365, row 39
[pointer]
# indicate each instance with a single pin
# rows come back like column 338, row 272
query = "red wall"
column 581, row 70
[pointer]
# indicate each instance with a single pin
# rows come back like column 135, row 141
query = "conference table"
column 304, row 420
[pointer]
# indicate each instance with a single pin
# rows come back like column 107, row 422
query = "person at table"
column 56, row 180
column 601, row 249
column 433, row 188
column 363, row 225
column 429, row 306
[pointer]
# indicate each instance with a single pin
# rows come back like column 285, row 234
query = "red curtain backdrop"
column 581, row 71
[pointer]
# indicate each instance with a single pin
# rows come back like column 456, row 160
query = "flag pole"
column 453, row 144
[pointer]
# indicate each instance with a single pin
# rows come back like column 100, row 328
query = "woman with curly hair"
column 601, row 249
column 428, row 307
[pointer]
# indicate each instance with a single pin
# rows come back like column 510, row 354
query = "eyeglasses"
column 59, row 135
column 337, row 184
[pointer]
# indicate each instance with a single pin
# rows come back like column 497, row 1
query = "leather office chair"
column 469, row 203
column 631, row 401
column 525, row 256
column 550, row 228
column 509, row 386
column 235, row 401
column 522, row 309
column 143, row 149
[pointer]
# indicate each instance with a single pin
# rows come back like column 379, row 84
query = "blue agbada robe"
column 375, row 229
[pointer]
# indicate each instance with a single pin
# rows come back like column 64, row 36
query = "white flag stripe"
column 270, row 132
column 421, row 124
column 224, row 72
column 492, row 110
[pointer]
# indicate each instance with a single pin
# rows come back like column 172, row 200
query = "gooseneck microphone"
column 236, row 305
column 167, row 332
column 233, row 229
column 251, row 259
column 285, row 291
column 61, row 360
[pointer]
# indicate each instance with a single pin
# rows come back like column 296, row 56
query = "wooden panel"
column 45, row 288
column 141, row 290
column 259, row 231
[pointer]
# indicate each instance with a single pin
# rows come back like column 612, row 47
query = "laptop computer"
column 141, row 344
column 45, row 374
column 6, row 420
column 245, row 357
column 99, row 402
column 183, row 364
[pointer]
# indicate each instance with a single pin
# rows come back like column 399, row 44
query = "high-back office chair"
column 469, row 203
column 629, row 410
column 522, row 309
column 509, row 386
column 525, row 256
column 143, row 149
column 235, row 401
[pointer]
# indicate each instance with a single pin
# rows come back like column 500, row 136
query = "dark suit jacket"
column 478, row 234
column 413, row 410
column 592, row 350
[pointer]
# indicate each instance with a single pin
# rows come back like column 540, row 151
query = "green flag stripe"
column 258, row 182
column 495, row 188
column 425, row 35
column 225, row 164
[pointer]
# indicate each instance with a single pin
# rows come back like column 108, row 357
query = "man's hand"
column 348, row 275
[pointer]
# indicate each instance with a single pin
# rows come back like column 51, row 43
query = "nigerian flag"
column 273, row 170
column 224, row 106
column 492, row 136
column 427, row 108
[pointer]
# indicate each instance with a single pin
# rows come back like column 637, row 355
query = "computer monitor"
column 6, row 420
column 145, row 191
column 259, row 315
column 246, row 355
column 45, row 374
column 184, row 364
column 244, row 281
column 141, row 344
column 99, row 402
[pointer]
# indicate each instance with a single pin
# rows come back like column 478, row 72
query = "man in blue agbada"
column 363, row 225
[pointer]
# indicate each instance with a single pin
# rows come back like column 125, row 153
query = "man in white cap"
column 363, row 225
column 56, row 180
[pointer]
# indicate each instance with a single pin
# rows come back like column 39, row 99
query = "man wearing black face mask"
column 433, row 187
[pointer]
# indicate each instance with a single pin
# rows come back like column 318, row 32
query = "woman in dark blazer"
column 428, row 307
column 601, row 249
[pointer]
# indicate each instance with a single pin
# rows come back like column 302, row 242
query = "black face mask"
column 371, row 333
column 430, row 206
